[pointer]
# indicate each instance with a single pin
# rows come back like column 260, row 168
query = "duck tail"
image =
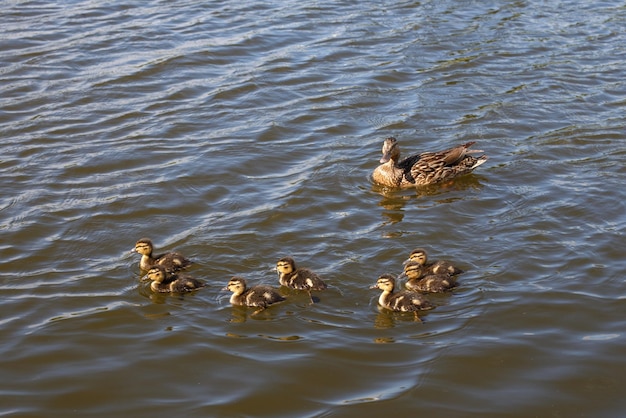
column 479, row 161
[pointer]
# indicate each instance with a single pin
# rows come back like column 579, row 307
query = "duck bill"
column 385, row 158
column 374, row 286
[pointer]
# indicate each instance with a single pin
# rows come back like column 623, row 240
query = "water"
column 237, row 133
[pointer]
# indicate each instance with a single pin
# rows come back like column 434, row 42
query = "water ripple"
column 241, row 133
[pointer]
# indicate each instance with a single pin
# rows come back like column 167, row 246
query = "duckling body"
column 257, row 296
column 165, row 282
column 402, row 301
column 298, row 278
column 420, row 256
column 425, row 168
column 430, row 283
column 171, row 261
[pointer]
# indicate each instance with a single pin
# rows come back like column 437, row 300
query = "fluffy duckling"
column 164, row 282
column 425, row 168
column 259, row 296
column 171, row 261
column 402, row 301
column 420, row 256
column 432, row 283
column 298, row 278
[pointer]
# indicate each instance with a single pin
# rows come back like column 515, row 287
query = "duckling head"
column 157, row 273
column 418, row 255
column 285, row 265
column 144, row 247
column 391, row 150
column 237, row 285
column 385, row 282
column 413, row 270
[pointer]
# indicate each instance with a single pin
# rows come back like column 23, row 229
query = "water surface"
column 241, row 133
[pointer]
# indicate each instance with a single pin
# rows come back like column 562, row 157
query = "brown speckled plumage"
column 257, row 296
column 298, row 278
column 402, row 301
column 425, row 168
column 171, row 261
column 165, row 282
column 429, row 283
column 420, row 256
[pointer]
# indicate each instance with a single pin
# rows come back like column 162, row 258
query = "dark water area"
column 238, row 133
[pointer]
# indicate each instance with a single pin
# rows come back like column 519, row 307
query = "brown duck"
column 425, row 168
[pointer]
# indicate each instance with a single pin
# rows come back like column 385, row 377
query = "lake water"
column 241, row 132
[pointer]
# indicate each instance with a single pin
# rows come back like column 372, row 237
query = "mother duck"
column 425, row 168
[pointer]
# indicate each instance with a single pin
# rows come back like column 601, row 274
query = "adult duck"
column 425, row 168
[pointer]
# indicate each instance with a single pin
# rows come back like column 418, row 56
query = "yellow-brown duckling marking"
column 165, row 282
column 420, row 256
column 258, row 296
column 171, row 261
column 431, row 283
column 425, row 168
column 298, row 278
column 402, row 301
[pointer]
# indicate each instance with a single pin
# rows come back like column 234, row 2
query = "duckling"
column 425, row 168
column 171, row 261
column 432, row 283
column 298, row 278
column 420, row 256
column 402, row 301
column 164, row 282
column 259, row 296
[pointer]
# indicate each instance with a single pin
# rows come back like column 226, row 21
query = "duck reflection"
column 393, row 200
column 386, row 319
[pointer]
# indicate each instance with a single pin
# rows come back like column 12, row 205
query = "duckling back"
column 185, row 283
column 406, row 301
column 443, row 267
column 434, row 283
